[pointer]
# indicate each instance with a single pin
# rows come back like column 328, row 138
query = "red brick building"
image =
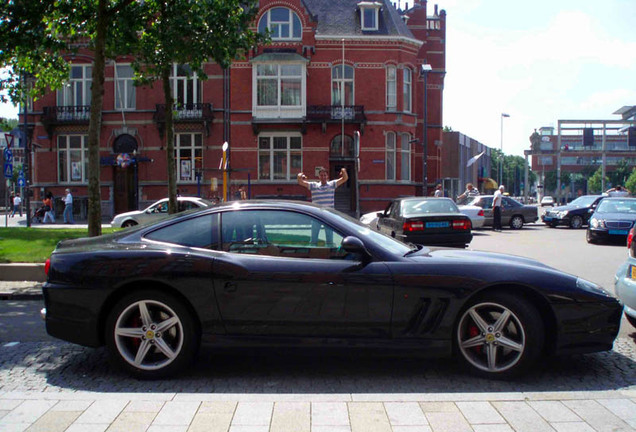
column 333, row 70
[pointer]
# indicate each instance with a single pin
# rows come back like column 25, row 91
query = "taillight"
column 480, row 213
column 409, row 226
column 47, row 266
column 630, row 238
column 462, row 224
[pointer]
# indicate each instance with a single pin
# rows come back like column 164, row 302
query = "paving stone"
column 71, row 405
column 291, row 417
column 554, row 411
column 85, row 427
column 522, row 417
column 253, row 414
column 623, row 408
column 420, row 428
column 249, row 428
column 492, row 428
column 132, row 422
column 448, row 421
column 572, row 427
column 167, row 428
column 176, row 413
column 54, row 421
column 368, row 417
column 144, row 406
column 597, row 416
column 405, row 414
column 102, row 411
column 480, row 413
column 330, row 428
column 27, row 412
column 432, row 407
column 329, row 414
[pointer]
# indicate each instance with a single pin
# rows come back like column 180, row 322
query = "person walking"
column 496, row 208
column 17, row 205
column 438, row 191
column 323, row 191
column 50, row 213
column 68, row 207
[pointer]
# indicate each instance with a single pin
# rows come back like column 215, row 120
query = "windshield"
column 627, row 205
column 364, row 232
column 424, row 206
column 584, row 201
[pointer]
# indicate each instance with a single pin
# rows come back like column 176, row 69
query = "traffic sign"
column 8, row 170
column 21, row 181
column 8, row 156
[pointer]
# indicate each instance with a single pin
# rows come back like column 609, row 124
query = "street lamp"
column 426, row 69
column 503, row 115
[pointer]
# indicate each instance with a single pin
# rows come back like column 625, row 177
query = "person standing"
column 68, row 207
column 617, row 191
column 323, row 192
column 17, row 205
column 469, row 192
column 438, row 191
column 48, row 201
column 496, row 208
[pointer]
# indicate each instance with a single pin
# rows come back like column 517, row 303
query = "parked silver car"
column 156, row 210
column 513, row 213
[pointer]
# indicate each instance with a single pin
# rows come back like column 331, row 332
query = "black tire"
column 516, row 222
column 590, row 238
column 494, row 349
column 128, row 223
column 159, row 324
column 576, row 222
column 631, row 320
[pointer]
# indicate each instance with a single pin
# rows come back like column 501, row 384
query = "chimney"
column 435, row 10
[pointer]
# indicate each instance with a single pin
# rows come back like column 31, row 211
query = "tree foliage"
column 190, row 33
column 630, row 183
column 595, row 184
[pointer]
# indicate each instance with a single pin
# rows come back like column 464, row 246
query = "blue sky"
column 539, row 62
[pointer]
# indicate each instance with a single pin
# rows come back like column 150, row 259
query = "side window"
column 281, row 234
column 486, row 203
column 200, row 232
column 508, row 203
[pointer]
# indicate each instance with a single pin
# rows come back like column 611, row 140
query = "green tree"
column 621, row 173
column 594, row 184
column 190, row 33
column 630, row 183
column 7, row 125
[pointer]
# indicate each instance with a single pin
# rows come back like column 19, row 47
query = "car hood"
column 127, row 214
column 615, row 216
column 566, row 208
column 477, row 257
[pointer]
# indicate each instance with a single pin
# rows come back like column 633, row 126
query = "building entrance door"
column 345, row 197
column 124, row 178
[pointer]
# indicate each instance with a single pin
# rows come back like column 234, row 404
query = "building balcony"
column 54, row 116
column 336, row 114
column 185, row 113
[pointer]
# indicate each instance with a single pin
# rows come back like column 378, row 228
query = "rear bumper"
column 439, row 239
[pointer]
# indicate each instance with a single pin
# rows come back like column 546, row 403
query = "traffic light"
column 588, row 137
column 631, row 136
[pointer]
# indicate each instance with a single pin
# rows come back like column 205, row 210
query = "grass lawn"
column 28, row 245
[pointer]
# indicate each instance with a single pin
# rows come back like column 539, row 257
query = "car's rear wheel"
column 499, row 336
column 576, row 222
column 151, row 335
column 516, row 222
column 128, row 223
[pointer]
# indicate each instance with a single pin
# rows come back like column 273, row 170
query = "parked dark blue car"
column 575, row 214
column 612, row 219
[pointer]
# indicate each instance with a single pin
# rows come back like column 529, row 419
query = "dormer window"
column 282, row 23
column 369, row 14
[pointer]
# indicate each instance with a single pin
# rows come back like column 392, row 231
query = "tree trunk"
column 172, row 172
column 94, row 129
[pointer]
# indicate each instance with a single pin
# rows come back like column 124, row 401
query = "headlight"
column 593, row 223
column 591, row 287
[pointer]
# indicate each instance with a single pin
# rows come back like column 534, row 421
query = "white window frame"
column 291, row 149
column 77, row 90
column 407, row 89
column 279, row 110
column 391, row 88
column 390, row 156
column 71, row 168
column 340, row 82
column 186, row 165
column 292, row 23
column 180, row 83
column 369, row 15
column 405, row 157
column 125, row 92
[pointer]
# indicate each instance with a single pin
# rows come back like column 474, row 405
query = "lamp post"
column 503, row 115
column 426, row 69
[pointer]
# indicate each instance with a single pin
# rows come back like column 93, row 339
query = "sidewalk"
column 20, row 290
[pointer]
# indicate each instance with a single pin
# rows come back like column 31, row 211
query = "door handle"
column 230, row 287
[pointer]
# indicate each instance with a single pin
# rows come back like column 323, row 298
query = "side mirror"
column 354, row 245
column 380, row 214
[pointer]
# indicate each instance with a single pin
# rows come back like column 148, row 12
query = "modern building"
column 465, row 160
column 335, row 71
column 581, row 147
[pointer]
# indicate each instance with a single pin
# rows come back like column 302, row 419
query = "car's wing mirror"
column 380, row 214
column 354, row 245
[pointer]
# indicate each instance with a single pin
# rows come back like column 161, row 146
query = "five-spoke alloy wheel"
column 151, row 334
column 499, row 335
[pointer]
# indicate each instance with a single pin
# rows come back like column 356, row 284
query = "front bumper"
column 625, row 286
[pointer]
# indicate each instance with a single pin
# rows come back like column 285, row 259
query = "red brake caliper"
column 474, row 331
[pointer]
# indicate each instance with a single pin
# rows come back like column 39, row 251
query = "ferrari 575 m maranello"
column 256, row 273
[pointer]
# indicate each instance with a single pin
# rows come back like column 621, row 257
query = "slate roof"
column 342, row 18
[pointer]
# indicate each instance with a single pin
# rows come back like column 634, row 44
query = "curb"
column 22, row 272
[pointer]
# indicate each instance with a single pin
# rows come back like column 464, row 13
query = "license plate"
column 437, row 224
column 632, row 272
column 618, row 232
column 547, row 218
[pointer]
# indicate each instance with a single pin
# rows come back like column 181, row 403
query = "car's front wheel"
column 128, row 223
column 151, row 335
column 499, row 336
column 516, row 222
column 576, row 222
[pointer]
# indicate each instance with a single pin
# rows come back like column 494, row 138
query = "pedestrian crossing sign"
column 8, row 170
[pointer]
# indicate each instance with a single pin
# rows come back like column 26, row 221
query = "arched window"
column 282, row 23
column 339, row 150
column 342, row 85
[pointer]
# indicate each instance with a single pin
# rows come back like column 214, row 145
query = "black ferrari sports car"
column 276, row 273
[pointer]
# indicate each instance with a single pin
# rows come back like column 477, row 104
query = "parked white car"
column 475, row 213
column 547, row 201
column 370, row 219
column 156, row 210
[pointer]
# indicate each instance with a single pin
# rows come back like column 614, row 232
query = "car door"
column 486, row 204
column 508, row 209
column 390, row 222
column 284, row 274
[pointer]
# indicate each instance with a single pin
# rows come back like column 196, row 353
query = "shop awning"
column 488, row 183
